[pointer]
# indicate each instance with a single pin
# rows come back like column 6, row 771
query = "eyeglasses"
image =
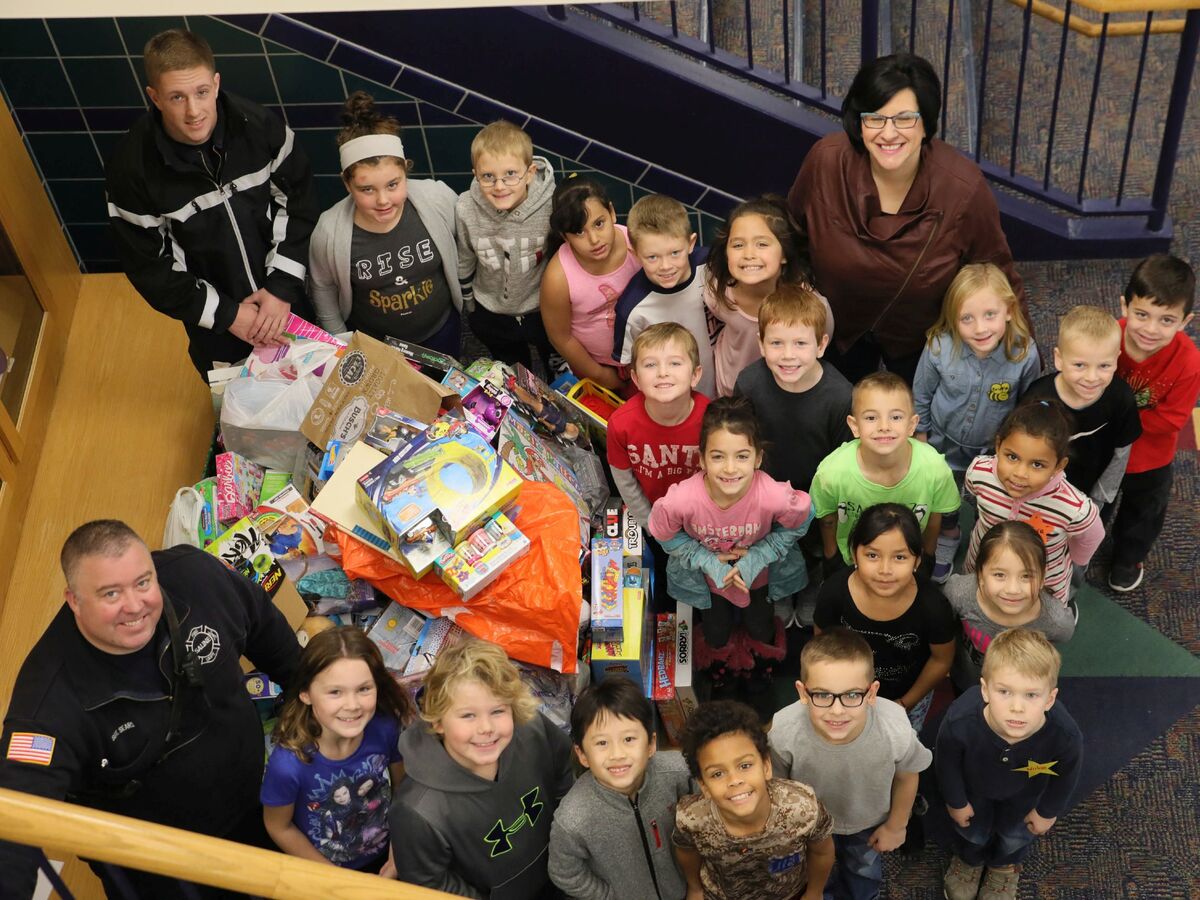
column 904, row 120
column 849, row 699
column 507, row 180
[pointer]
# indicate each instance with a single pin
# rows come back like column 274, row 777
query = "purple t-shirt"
column 340, row 805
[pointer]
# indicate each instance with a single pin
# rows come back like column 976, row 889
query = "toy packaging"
column 285, row 521
column 489, row 370
column 449, row 473
column 533, row 459
column 676, row 710
column 485, row 406
column 245, row 549
column 239, row 482
column 390, row 430
column 437, row 635
column 632, row 562
column 596, row 403
column 425, row 358
column 608, row 610
column 296, row 332
column 554, row 414
column 274, row 482
column 260, row 687
column 208, row 528
column 552, row 690
column 460, row 382
column 632, row 657
column 395, row 633
column 476, row 562
column 423, row 547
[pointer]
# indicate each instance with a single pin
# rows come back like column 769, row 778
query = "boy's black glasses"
column 824, row 699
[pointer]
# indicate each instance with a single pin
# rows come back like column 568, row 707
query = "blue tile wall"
column 76, row 85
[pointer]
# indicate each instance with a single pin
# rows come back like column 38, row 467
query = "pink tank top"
column 594, row 300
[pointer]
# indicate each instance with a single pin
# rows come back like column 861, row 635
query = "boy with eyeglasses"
column 502, row 222
column 858, row 752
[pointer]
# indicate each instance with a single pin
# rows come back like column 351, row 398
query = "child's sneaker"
column 961, row 881
column 1000, row 884
column 941, row 572
column 947, row 549
column 1125, row 578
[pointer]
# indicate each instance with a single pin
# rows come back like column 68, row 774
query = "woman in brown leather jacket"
column 891, row 214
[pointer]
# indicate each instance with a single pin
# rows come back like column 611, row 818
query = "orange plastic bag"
column 531, row 610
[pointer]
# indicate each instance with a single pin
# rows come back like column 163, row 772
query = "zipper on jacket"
column 225, row 195
column 641, row 830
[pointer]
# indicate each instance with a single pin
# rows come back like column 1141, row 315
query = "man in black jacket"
column 212, row 204
column 132, row 701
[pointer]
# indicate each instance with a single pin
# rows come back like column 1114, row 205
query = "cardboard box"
column 369, row 375
column 479, row 560
column 632, row 657
column 449, row 473
column 675, row 711
column 395, row 633
column 608, row 610
column 239, row 483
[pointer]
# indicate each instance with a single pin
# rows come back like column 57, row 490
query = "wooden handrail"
column 1115, row 29
column 64, row 828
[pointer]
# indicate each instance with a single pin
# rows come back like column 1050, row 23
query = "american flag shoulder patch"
column 26, row 746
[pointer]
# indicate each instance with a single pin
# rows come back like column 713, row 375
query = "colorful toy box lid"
column 608, row 609
column 479, row 560
column 449, row 473
column 632, row 657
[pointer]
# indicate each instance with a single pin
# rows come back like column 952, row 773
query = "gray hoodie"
column 500, row 256
column 456, row 832
column 606, row 846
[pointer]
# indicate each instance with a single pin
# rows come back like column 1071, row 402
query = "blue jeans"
column 857, row 868
column 916, row 715
column 997, row 835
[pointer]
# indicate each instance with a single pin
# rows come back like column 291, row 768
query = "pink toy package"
column 238, row 484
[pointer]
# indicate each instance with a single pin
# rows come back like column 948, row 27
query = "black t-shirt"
column 901, row 646
column 1096, row 430
column 399, row 288
column 801, row 429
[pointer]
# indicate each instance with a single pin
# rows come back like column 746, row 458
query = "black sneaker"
column 1125, row 578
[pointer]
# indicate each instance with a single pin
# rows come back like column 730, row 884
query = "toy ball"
column 312, row 626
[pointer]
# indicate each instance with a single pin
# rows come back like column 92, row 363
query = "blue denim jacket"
column 688, row 561
column 962, row 399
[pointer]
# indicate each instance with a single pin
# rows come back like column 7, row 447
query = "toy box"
column 632, row 562
column 390, row 430
column 608, row 612
column 395, row 633
column 485, row 406
column 532, row 458
column 477, row 561
column 260, row 687
column 437, row 635
column 555, row 415
column 552, row 691
column 449, row 473
column 273, row 483
column 632, row 657
column 295, row 331
column 459, row 381
column 245, row 549
column 290, row 529
column 239, row 482
column 209, row 528
column 489, row 370
column 423, row 547
column 596, row 403
column 424, row 357
column 676, row 710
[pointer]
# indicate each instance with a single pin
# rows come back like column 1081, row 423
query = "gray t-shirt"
column 853, row 780
column 399, row 287
column 1055, row 621
column 801, row 429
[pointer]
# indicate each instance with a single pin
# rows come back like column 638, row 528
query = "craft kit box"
column 449, row 473
column 632, row 657
column 478, row 561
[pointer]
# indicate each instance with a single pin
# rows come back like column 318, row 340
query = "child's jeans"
column 997, row 835
column 857, row 868
column 916, row 715
column 758, row 617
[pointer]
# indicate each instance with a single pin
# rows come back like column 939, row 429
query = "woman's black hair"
column 1045, row 419
column 735, row 415
column 883, row 517
column 797, row 268
column 880, row 80
column 713, row 720
column 568, row 210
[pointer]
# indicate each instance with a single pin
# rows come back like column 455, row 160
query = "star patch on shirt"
column 28, row 747
column 1032, row 768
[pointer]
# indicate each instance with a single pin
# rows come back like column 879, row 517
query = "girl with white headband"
column 383, row 260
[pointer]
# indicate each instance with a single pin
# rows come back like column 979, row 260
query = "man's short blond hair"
column 502, row 138
column 1024, row 651
column 175, row 49
column 664, row 333
column 792, row 304
column 1090, row 324
column 658, row 214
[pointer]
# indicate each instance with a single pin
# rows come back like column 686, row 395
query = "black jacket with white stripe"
column 198, row 229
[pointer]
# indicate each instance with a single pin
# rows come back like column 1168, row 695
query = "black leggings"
column 758, row 617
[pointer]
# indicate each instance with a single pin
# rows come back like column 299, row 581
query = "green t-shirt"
column 840, row 486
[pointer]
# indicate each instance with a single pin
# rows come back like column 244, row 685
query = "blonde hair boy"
column 1089, row 324
column 481, row 662
column 663, row 333
column 661, row 215
column 502, row 138
column 1025, row 652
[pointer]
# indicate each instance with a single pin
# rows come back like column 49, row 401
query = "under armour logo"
column 500, row 836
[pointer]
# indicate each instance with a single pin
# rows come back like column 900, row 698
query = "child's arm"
column 820, row 864
column 467, row 261
column 1106, row 486
column 890, row 834
column 949, row 763
column 423, row 856
column 833, row 556
column 770, row 548
column 1175, row 409
column 569, row 869
column 285, row 834
column 632, row 493
column 1086, row 536
column 925, row 385
column 936, row 668
column 1054, row 799
column 555, row 301
column 689, row 865
column 694, row 555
